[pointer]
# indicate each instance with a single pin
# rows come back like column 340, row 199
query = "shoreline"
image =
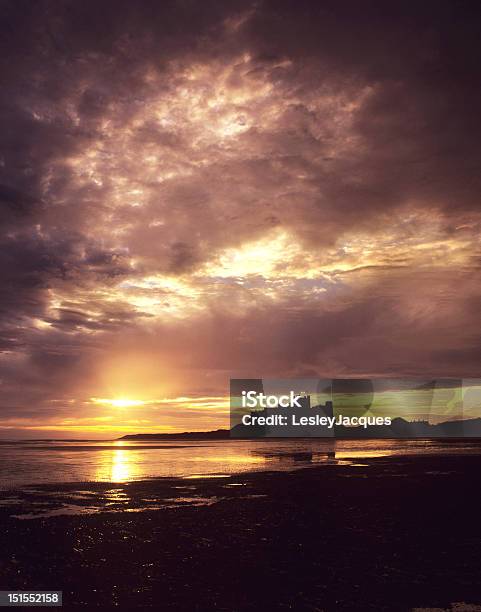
column 396, row 533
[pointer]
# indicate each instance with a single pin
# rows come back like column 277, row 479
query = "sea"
column 27, row 462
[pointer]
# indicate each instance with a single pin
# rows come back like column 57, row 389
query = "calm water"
column 34, row 462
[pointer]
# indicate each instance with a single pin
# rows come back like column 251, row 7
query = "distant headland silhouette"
column 399, row 428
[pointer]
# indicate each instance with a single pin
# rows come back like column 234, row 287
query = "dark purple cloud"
column 215, row 189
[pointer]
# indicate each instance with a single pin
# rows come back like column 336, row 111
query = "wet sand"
column 385, row 534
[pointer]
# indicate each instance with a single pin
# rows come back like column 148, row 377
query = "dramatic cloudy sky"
column 192, row 191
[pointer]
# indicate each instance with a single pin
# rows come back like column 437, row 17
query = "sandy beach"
column 394, row 533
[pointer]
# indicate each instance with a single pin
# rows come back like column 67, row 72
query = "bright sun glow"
column 118, row 402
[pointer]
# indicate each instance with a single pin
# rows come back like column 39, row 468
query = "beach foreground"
column 384, row 534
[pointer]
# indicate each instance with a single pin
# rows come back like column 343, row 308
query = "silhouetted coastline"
column 399, row 429
column 218, row 434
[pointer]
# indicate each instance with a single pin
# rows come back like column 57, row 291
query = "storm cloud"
column 196, row 191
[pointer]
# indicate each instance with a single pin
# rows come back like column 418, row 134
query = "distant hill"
column 400, row 428
column 218, row 434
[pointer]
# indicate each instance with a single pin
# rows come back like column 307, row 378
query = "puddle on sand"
column 202, row 476
column 79, row 495
column 254, row 496
column 193, row 501
column 10, row 501
column 69, row 509
column 152, row 504
column 440, row 473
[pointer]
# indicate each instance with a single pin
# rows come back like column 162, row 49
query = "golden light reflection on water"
column 121, row 469
column 360, row 454
column 118, row 466
column 126, row 464
column 200, row 460
column 125, row 461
